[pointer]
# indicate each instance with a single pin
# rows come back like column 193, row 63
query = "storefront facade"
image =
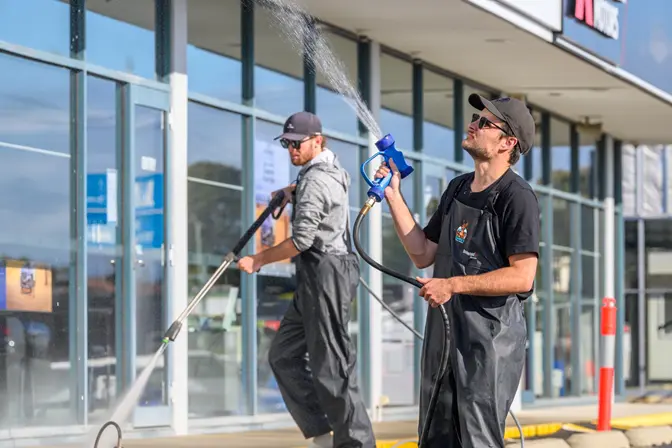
column 142, row 142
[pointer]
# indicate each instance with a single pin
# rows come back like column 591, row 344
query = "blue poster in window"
column 149, row 201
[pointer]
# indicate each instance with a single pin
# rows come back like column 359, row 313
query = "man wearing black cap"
column 484, row 244
column 321, row 392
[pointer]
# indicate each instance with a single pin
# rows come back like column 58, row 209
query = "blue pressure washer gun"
column 388, row 151
column 376, row 194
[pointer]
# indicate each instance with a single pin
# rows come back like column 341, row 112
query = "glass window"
column 35, row 244
column 214, row 59
column 535, row 155
column 562, row 350
column 215, row 145
column 278, row 74
column 631, row 354
column 562, row 273
column 38, row 24
column 334, row 111
column 348, row 156
column 588, row 355
column 215, row 332
column 561, row 155
column 396, row 98
column 438, row 126
column 398, row 342
column 588, row 228
column 587, row 163
column 658, row 241
column 631, row 279
column 561, row 223
column 589, row 277
column 541, row 198
column 34, row 105
column 103, row 247
column 120, row 36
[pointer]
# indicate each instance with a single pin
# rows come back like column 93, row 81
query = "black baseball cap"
column 301, row 125
column 514, row 113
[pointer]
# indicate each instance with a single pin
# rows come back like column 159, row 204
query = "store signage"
column 601, row 15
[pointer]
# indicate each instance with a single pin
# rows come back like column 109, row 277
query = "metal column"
column 309, row 72
column 419, row 201
column 375, row 249
column 620, row 266
column 458, row 119
column 641, row 303
column 248, row 282
column 78, row 301
column 177, row 237
column 547, row 258
column 576, row 283
column 364, row 338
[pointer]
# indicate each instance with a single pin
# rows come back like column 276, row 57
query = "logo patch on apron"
column 461, row 233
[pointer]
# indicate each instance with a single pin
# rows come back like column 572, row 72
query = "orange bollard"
column 607, row 365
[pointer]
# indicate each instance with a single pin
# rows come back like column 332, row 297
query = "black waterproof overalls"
column 320, row 390
column 487, row 335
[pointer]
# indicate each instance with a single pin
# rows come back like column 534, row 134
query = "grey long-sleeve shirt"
column 321, row 207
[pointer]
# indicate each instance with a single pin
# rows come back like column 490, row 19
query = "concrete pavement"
column 535, row 423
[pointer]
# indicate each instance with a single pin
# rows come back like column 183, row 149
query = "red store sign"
column 601, row 15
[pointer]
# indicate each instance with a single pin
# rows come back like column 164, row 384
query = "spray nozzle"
column 388, row 151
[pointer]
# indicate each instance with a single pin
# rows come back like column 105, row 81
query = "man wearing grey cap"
column 321, row 392
column 484, row 244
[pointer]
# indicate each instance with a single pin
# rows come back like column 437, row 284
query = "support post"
column 178, row 258
column 609, row 284
column 419, row 200
column 364, row 352
column 78, row 301
column 309, row 72
column 248, row 282
column 375, row 248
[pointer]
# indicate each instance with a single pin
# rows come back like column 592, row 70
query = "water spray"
column 387, row 150
column 174, row 329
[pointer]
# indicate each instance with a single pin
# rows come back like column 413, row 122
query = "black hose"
column 446, row 322
column 436, row 386
column 102, row 429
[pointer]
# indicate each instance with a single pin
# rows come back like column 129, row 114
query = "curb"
column 633, row 431
column 650, row 436
column 612, row 439
column 622, row 423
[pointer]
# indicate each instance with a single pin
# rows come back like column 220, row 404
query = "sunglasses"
column 484, row 122
column 286, row 143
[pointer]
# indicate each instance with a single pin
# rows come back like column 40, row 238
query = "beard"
column 476, row 152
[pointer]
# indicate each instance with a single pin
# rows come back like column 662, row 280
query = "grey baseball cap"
column 301, row 125
column 514, row 113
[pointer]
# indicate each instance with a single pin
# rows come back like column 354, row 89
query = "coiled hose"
column 446, row 323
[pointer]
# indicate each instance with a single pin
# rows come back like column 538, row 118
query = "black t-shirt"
column 516, row 208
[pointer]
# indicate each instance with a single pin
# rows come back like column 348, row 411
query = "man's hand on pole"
column 249, row 264
column 288, row 190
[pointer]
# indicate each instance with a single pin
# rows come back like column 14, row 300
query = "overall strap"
column 453, row 194
column 495, row 193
